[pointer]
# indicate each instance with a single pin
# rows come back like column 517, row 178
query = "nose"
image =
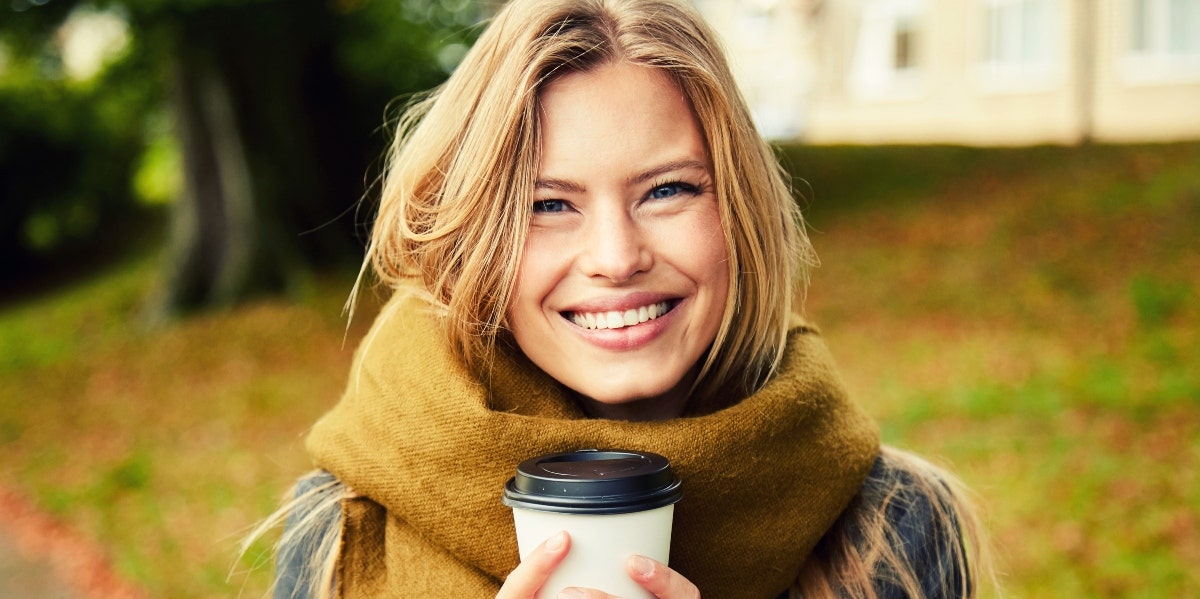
column 615, row 247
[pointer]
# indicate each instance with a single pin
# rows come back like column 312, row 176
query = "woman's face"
column 623, row 282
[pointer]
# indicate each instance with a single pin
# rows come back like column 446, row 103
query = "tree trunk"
column 261, row 119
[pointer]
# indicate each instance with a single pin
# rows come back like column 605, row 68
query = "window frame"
column 875, row 75
column 1021, row 45
column 1157, row 61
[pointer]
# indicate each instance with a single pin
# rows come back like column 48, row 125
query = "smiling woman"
column 591, row 246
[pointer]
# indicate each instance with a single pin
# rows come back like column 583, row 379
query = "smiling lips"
column 618, row 319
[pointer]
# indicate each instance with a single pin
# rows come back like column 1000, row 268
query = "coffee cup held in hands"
column 614, row 504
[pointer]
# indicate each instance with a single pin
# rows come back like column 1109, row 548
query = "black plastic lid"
column 590, row 481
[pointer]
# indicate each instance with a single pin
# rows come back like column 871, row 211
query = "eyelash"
column 540, row 206
column 543, row 206
column 683, row 187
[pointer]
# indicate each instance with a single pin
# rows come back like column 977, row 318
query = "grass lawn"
column 1026, row 316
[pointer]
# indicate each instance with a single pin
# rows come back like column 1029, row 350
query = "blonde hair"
column 458, row 190
column 312, row 536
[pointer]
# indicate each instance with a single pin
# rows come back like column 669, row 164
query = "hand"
column 524, row 581
column 660, row 580
column 528, row 577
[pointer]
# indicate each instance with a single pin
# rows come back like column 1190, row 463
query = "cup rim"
column 643, row 481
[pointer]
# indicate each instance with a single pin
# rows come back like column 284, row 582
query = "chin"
column 624, row 391
column 633, row 395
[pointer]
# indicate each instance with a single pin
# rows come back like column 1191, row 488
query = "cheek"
column 712, row 273
column 535, row 277
column 709, row 255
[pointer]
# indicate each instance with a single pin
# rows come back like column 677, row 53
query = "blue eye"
column 549, row 206
column 667, row 190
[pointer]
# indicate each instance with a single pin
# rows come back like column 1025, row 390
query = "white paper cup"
column 614, row 504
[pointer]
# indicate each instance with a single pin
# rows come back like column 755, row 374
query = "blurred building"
column 983, row 72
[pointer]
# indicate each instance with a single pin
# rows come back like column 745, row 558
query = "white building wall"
column 767, row 43
column 1148, row 95
column 983, row 72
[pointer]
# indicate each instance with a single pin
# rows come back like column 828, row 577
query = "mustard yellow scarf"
column 428, row 447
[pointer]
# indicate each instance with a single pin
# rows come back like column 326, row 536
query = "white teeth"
column 617, row 320
column 614, row 319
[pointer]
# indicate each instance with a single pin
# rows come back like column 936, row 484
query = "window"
column 1164, row 40
column 1020, row 42
column 887, row 52
column 904, row 47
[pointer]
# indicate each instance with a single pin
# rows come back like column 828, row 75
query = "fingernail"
column 571, row 593
column 643, row 567
column 557, row 541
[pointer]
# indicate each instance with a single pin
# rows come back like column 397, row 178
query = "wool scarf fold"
column 427, row 448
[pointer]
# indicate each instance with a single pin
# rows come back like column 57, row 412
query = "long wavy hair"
column 457, row 193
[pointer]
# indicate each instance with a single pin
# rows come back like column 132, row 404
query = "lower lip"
column 627, row 338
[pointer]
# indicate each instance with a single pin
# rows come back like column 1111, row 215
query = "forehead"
column 617, row 115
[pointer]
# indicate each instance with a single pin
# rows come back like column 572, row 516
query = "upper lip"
column 630, row 301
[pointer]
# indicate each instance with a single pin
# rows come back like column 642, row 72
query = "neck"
column 666, row 406
column 638, row 410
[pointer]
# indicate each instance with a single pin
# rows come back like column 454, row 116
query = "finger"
column 578, row 593
column 525, row 580
column 660, row 580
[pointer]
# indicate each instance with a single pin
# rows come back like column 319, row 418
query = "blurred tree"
column 277, row 107
column 260, row 111
column 67, row 148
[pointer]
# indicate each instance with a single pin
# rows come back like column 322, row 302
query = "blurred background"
column 1005, row 195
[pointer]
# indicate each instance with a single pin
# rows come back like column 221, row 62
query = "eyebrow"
column 669, row 167
column 558, row 185
column 642, row 177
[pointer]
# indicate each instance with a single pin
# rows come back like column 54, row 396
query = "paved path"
column 25, row 576
column 40, row 558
